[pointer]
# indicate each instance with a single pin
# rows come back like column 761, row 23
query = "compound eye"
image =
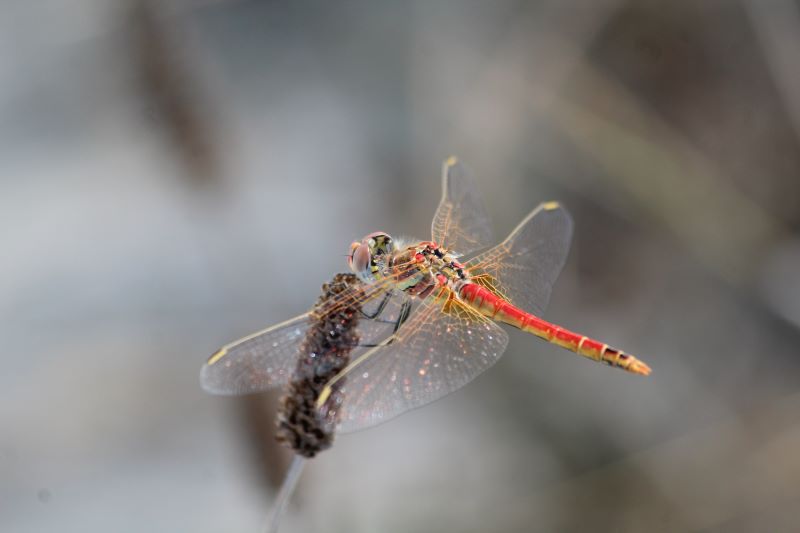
column 353, row 247
column 380, row 243
column 360, row 259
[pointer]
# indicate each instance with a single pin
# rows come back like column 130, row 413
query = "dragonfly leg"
column 378, row 311
column 405, row 310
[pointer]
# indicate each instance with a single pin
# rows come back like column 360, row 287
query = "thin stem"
column 287, row 488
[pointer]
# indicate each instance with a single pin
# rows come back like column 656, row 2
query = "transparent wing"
column 257, row 362
column 460, row 223
column 524, row 267
column 268, row 357
column 443, row 346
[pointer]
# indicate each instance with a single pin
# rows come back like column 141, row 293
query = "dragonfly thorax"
column 420, row 268
column 416, row 269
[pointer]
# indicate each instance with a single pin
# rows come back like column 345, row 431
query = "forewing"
column 524, row 267
column 460, row 223
column 268, row 358
column 443, row 346
column 257, row 362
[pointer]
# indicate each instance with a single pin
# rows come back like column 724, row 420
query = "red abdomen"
column 493, row 306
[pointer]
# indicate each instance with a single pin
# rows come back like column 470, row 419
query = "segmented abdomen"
column 489, row 304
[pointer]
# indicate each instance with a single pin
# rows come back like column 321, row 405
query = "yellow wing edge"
column 222, row 352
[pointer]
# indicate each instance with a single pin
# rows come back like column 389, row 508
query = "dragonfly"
column 429, row 313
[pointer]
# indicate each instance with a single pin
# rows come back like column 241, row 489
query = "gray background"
column 176, row 174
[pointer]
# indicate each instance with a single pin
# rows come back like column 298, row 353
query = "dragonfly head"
column 368, row 257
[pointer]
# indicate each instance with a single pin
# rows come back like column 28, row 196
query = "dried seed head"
column 324, row 353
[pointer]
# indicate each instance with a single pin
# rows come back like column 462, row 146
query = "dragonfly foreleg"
column 402, row 316
column 379, row 310
column 405, row 310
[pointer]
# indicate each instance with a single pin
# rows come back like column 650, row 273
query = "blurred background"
column 164, row 166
